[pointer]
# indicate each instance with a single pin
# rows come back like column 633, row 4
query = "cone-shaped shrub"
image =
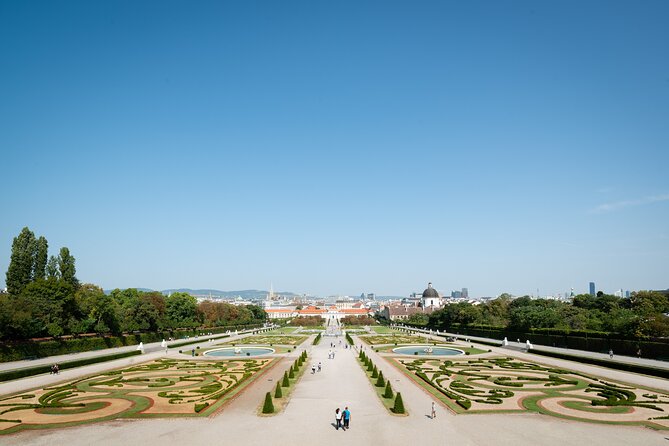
column 375, row 372
column 268, row 407
column 291, row 373
column 370, row 366
column 285, row 382
column 278, row 393
column 380, row 382
column 389, row 390
column 399, row 404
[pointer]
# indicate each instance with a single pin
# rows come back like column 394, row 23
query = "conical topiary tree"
column 291, row 373
column 399, row 404
column 268, row 407
column 278, row 393
column 389, row 390
column 380, row 382
column 285, row 382
column 375, row 372
column 370, row 366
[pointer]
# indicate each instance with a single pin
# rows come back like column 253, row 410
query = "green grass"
column 388, row 403
column 380, row 329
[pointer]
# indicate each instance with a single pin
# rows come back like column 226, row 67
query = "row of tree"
column 30, row 262
column 49, row 301
column 641, row 315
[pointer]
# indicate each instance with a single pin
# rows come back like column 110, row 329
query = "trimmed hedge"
column 317, row 339
column 268, row 406
column 38, row 370
column 399, row 404
column 20, row 350
column 625, row 366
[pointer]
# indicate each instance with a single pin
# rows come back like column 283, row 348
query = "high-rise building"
column 593, row 293
column 465, row 293
column 456, row 294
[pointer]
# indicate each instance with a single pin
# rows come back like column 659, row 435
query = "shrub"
column 399, row 404
column 285, row 382
column 465, row 404
column 268, row 407
column 370, row 366
column 375, row 372
column 277, row 392
column 199, row 407
column 389, row 390
column 380, row 382
column 291, row 373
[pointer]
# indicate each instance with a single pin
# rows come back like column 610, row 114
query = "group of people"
column 342, row 418
column 313, row 367
column 55, row 370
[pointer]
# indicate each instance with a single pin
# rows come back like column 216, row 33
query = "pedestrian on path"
column 434, row 410
column 319, row 366
column 611, row 353
column 313, row 368
column 347, row 418
column 338, row 418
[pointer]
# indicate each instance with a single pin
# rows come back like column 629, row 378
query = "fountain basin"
column 427, row 350
column 239, row 352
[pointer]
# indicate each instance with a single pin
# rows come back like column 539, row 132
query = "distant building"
column 593, row 293
column 430, row 297
column 456, row 294
column 400, row 312
column 465, row 293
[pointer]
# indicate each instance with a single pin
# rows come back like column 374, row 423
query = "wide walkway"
column 309, row 416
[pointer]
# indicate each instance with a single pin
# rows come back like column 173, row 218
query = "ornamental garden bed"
column 504, row 384
column 162, row 388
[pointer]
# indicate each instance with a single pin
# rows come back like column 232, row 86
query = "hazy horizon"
column 333, row 147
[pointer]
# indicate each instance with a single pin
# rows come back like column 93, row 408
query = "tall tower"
column 593, row 293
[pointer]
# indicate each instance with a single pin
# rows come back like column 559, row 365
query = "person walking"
column 434, row 410
column 319, row 366
column 313, row 368
column 347, row 418
column 611, row 353
column 338, row 415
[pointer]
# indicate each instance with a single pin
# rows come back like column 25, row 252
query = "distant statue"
column 505, row 342
column 238, row 351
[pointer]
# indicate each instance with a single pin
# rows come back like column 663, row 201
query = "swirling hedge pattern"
column 157, row 389
column 498, row 384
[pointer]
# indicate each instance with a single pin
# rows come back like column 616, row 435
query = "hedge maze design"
column 162, row 388
column 509, row 385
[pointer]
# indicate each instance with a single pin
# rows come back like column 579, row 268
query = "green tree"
column 41, row 258
column 285, row 382
column 389, row 391
column 278, row 393
column 257, row 312
column 21, row 263
column 381, row 381
column 66, row 268
column 181, row 310
column 268, row 406
column 52, row 271
column 399, row 404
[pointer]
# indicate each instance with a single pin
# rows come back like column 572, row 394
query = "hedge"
column 20, row 350
column 625, row 366
column 38, row 370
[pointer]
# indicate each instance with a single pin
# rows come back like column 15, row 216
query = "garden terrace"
column 501, row 384
column 162, row 388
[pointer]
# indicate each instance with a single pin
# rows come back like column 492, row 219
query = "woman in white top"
column 338, row 418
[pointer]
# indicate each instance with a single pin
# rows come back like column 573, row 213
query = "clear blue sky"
column 340, row 147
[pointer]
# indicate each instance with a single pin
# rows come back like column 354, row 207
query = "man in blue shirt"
column 347, row 418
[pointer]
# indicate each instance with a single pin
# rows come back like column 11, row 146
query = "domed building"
column 430, row 297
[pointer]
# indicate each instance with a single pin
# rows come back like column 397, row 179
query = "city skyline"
column 329, row 148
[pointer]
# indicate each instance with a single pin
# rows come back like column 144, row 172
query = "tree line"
column 641, row 315
column 44, row 298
